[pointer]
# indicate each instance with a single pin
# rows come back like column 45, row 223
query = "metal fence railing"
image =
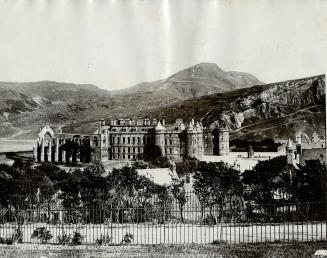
column 104, row 219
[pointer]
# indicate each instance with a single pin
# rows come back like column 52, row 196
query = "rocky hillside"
column 275, row 110
column 27, row 105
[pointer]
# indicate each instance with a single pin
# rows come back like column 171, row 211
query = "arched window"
column 95, row 140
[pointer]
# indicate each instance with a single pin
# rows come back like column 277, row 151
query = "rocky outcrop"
column 276, row 100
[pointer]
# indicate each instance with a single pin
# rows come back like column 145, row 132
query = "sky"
column 116, row 44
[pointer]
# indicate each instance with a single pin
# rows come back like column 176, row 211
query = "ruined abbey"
column 130, row 139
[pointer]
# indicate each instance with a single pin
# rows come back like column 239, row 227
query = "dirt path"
column 20, row 132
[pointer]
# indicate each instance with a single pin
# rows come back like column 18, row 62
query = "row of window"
column 128, row 150
column 130, row 140
column 169, row 151
column 130, row 130
column 117, row 156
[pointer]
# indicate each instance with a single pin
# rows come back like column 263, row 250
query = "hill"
column 31, row 105
column 276, row 110
column 199, row 80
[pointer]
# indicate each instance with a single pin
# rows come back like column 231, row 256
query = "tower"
column 250, row 151
column 289, row 152
column 223, row 141
column 191, row 140
column 200, row 143
column 160, row 137
column 290, row 158
column 298, row 147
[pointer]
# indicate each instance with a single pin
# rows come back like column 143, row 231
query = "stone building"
column 122, row 139
column 69, row 148
column 216, row 141
column 306, row 148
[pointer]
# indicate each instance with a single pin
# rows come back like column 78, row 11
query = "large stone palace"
column 130, row 139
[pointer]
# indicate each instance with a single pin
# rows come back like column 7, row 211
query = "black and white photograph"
column 172, row 128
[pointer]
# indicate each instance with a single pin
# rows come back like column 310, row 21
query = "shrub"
column 77, row 238
column 104, row 240
column 210, row 220
column 128, row 238
column 219, row 242
column 63, row 239
column 42, row 235
column 16, row 237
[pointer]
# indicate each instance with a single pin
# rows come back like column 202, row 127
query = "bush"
column 77, row 238
column 42, row 235
column 15, row 238
column 210, row 220
column 219, row 242
column 104, row 240
column 128, row 238
column 63, row 239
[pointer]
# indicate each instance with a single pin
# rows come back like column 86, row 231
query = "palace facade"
column 131, row 139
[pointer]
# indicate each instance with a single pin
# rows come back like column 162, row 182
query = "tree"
column 310, row 182
column 187, row 166
column 217, row 184
column 266, row 179
column 95, row 169
column 153, row 155
column 178, row 191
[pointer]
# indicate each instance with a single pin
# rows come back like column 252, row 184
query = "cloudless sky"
column 118, row 43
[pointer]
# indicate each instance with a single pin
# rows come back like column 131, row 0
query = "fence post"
column 326, row 213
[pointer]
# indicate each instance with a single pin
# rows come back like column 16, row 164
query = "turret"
column 160, row 137
column 250, row 151
column 191, row 140
column 223, row 142
column 200, row 143
column 289, row 152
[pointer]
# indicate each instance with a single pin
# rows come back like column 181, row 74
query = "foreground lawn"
column 294, row 250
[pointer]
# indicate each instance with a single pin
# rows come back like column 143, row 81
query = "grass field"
column 292, row 250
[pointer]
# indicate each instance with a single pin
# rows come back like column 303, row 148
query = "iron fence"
column 103, row 219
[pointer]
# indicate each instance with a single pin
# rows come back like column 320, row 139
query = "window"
column 128, row 149
column 138, row 140
column 123, row 139
column 133, row 140
column 165, row 141
column 128, row 140
column 95, row 139
column 187, row 179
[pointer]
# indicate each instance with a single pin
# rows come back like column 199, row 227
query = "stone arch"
column 45, row 130
column 44, row 149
